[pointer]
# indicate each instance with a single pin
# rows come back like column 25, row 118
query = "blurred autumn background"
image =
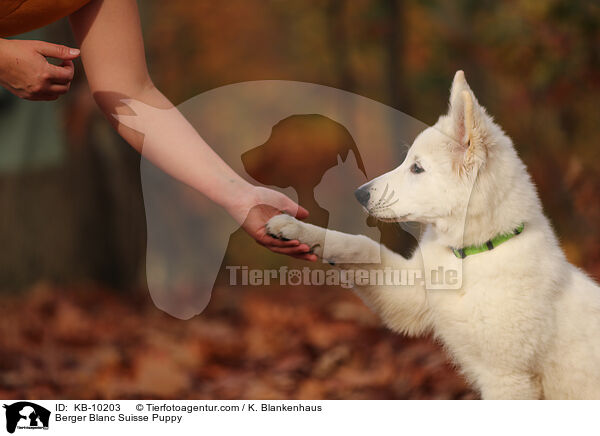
column 76, row 319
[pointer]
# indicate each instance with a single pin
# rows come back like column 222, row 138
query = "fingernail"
column 73, row 52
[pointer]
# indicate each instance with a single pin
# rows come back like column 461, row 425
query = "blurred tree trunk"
column 71, row 212
column 338, row 40
column 395, row 48
column 82, row 220
column 392, row 235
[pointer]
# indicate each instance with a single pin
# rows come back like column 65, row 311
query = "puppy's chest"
column 464, row 320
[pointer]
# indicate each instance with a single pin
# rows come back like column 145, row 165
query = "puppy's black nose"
column 362, row 195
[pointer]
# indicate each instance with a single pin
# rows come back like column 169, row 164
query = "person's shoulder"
column 20, row 16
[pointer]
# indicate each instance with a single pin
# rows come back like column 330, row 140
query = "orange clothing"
column 20, row 16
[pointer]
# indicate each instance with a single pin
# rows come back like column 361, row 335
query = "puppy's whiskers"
column 382, row 198
column 388, row 205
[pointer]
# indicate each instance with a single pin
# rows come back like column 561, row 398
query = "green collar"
column 461, row 253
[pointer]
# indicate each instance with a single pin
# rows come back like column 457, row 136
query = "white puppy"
column 517, row 318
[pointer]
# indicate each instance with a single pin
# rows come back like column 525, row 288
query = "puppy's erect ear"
column 469, row 120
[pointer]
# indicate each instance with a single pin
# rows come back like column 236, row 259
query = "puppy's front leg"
column 340, row 249
column 402, row 308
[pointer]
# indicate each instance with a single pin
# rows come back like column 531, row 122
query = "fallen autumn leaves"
column 250, row 344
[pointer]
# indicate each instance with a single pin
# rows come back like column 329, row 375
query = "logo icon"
column 26, row 415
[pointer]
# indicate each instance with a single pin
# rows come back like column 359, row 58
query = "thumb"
column 56, row 51
column 281, row 202
column 302, row 213
column 293, row 209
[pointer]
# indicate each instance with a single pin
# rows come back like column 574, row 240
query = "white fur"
column 524, row 323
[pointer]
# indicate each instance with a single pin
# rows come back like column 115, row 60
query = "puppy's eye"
column 416, row 168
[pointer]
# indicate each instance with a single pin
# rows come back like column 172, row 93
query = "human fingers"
column 56, row 51
column 294, row 252
column 277, row 242
column 61, row 74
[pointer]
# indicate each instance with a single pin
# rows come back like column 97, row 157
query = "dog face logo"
column 287, row 135
column 26, row 415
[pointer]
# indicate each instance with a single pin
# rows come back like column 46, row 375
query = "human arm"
column 112, row 52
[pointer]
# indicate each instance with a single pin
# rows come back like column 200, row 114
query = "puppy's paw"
column 287, row 227
column 283, row 227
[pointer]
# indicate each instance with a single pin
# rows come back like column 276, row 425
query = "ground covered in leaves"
column 249, row 344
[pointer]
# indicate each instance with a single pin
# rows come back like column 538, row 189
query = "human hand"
column 25, row 71
column 256, row 207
